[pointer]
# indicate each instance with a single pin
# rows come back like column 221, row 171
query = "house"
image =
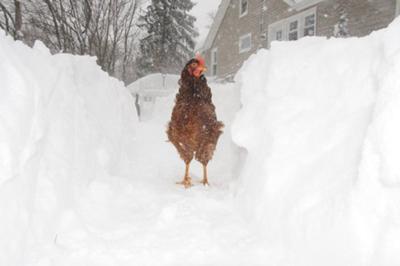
column 148, row 89
column 241, row 27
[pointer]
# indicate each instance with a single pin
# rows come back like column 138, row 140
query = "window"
column 278, row 36
column 148, row 98
column 294, row 28
column 214, row 61
column 309, row 25
column 244, row 6
column 261, row 24
column 245, row 43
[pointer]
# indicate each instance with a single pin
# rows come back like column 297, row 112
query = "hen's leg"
column 204, row 155
column 205, row 176
column 187, row 181
column 186, row 154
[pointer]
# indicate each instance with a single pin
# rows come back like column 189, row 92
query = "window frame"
column 214, row 61
column 242, row 14
column 280, row 31
column 241, row 50
column 147, row 98
column 307, row 27
column 284, row 26
column 295, row 30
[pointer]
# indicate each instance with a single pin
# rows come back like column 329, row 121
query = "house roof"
column 219, row 17
column 223, row 7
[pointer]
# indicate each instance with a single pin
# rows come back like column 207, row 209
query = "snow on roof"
column 155, row 84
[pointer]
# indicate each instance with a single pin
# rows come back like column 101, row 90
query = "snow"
column 321, row 179
column 154, row 84
column 84, row 183
column 149, row 89
column 315, row 181
column 64, row 125
column 193, row 227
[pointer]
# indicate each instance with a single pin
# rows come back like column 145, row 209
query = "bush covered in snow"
column 320, row 122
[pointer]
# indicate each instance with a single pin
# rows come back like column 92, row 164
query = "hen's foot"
column 205, row 182
column 187, row 183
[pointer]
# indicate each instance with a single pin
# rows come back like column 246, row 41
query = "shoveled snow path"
column 146, row 219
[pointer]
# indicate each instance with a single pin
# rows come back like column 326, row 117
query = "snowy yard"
column 85, row 183
column 153, row 221
column 315, row 182
column 144, row 218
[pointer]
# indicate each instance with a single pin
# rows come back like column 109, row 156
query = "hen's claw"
column 187, row 183
column 205, row 182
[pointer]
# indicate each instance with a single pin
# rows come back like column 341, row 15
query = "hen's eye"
column 193, row 65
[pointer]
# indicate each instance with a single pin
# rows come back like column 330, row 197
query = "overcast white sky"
column 200, row 11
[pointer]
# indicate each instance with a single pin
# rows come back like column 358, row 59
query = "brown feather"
column 194, row 129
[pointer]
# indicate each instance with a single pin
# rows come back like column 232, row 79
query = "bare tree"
column 18, row 20
column 10, row 23
column 103, row 28
column 129, row 36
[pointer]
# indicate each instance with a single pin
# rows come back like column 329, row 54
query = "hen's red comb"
column 200, row 59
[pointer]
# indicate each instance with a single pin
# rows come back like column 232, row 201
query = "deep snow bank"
column 63, row 123
column 322, row 189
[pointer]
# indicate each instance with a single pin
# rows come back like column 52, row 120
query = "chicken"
column 194, row 129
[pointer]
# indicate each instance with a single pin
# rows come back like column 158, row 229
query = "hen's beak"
column 199, row 71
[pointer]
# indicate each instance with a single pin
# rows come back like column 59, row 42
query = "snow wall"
column 53, row 144
column 321, row 125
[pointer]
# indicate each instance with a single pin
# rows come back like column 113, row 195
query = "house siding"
column 398, row 8
column 363, row 18
column 228, row 36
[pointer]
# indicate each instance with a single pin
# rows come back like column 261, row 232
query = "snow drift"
column 83, row 183
column 63, row 123
column 320, row 123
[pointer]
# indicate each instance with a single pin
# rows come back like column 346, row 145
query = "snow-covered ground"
column 82, row 182
column 174, row 226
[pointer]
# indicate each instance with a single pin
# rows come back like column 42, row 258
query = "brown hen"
column 194, row 129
